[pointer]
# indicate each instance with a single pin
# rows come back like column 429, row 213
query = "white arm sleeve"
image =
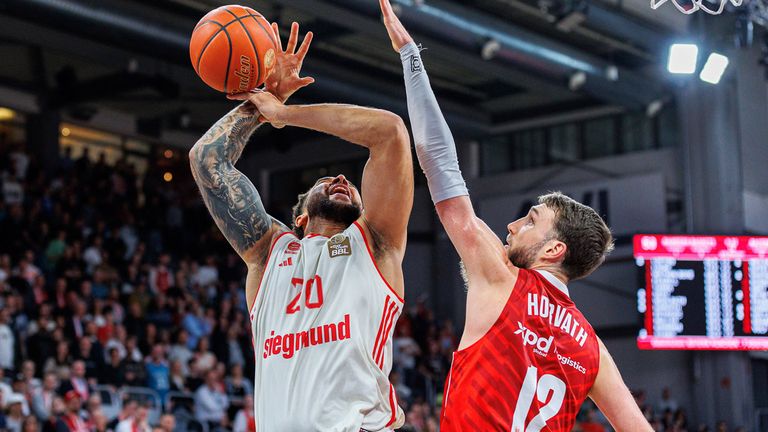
column 435, row 147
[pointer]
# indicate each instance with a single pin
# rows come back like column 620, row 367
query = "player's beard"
column 334, row 211
column 524, row 257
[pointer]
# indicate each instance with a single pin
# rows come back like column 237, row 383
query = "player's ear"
column 555, row 250
column 302, row 220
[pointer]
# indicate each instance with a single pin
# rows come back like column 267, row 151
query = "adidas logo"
column 286, row 263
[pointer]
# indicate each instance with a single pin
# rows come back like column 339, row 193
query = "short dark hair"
column 297, row 211
column 586, row 236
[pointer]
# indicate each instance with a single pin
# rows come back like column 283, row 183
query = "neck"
column 324, row 227
column 555, row 270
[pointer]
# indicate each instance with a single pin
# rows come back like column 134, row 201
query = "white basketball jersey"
column 322, row 326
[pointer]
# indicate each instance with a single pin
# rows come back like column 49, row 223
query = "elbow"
column 396, row 130
column 194, row 155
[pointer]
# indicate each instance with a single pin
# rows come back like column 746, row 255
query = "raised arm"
column 480, row 249
column 614, row 399
column 229, row 195
column 387, row 187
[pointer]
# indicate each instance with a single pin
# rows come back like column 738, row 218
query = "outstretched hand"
column 284, row 79
column 397, row 33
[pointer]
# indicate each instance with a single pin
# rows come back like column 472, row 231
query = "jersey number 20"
column 540, row 388
column 312, row 286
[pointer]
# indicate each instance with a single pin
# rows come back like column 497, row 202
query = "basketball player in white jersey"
column 324, row 297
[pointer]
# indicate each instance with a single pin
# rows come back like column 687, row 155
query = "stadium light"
column 714, row 68
column 682, row 58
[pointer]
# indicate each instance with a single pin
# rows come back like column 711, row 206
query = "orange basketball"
column 233, row 49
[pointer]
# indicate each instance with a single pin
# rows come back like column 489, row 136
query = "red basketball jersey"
column 530, row 372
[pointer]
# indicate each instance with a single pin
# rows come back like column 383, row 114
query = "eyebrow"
column 331, row 178
column 320, row 180
column 535, row 211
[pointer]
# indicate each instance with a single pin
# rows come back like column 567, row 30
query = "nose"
column 511, row 228
column 340, row 179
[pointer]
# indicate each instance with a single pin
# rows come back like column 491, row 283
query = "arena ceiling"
column 492, row 62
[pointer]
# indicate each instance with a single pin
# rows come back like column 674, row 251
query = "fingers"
column 293, row 39
column 303, row 82
column 279, row 42
column 302, row 52
column 386, row 8
column 238, row 96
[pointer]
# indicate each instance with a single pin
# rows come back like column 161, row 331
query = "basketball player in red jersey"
column 324, row 296
column 528, row 358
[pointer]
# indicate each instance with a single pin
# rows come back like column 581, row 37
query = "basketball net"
column 695, row 5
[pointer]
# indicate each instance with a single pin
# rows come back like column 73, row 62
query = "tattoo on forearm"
column 230, row 196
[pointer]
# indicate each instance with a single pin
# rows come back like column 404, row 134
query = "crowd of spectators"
column 111, row 284
column 109, row 281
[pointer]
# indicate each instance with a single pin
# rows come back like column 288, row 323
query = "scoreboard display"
column 702, row 292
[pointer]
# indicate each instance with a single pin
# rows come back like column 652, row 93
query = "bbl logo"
column 415, row 64
column 338, row 245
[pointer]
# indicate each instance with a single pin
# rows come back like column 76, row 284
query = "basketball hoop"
column 692, row 6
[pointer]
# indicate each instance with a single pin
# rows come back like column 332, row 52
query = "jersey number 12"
column 540, row 388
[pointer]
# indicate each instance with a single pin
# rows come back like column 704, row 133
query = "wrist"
column 408, row 50
column 286, row 115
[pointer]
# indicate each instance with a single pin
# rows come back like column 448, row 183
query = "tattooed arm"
column 230, row 196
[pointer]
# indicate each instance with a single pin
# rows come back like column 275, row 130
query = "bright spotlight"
column 714, row 68
column 682, row 58
column 6, row 114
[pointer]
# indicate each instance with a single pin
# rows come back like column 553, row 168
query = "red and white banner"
column 697, row 247
column 740, row 343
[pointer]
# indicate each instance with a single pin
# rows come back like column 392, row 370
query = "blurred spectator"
column 28, row 375
column 244, row 421
column 90, row 353
column 404, row 393
column 158, row 372
column 177, row 377
column 99, row 421
column 180, row 351
column 236, row 384
column 167, row 423
column 75, row 328
column 128, row 411
column 42, row 399
column 71, row 419
column 667, row 403
column 211, row 402
column 77, row 381
column 721, row 426
column 7, row 341
column 112, row 372
column 14, row 415
column 194, row 323
column 92, row 406
column 206, row 274
column 56, row 248
column 30, row 424
column 161, row 275
column 138, row 422
column 405, row 350
column 203, row 359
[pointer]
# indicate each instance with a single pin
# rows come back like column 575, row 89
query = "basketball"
column 233, row 49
